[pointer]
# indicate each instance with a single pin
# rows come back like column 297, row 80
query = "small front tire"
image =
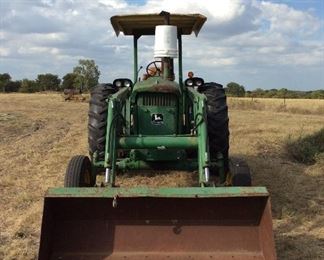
column 78, row 172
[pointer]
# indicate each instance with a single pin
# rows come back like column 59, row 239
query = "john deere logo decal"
column 157, row 119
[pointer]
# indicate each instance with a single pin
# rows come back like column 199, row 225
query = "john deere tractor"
column 157, row 122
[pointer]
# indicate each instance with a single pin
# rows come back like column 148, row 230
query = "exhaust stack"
column 165, row 42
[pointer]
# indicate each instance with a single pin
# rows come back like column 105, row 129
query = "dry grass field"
column 40, row 132
column 293, row 106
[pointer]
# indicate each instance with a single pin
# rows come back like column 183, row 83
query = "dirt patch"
column 158, row 179
column 15, row 126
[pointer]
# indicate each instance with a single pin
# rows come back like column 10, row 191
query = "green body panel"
column 188, row 192
column 131, row 125
column 156, row 85
column 152, row 97
column 157, row 113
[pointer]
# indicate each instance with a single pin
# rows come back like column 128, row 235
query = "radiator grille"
column 153, row 99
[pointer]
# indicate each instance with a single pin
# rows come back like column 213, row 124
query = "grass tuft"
column 306, row 149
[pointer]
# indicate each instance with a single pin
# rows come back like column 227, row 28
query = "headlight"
column 194, row 82
column 199, row 82
column 121, row 83
column 118, row 83
column 189, row 82
column 127, row 83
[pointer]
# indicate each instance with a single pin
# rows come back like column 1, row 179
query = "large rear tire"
column 78, row 173
column 217, row 120
column 97, row 124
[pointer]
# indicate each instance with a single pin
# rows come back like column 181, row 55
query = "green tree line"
column 86, row 74
column 234, row 89
column 84, row 77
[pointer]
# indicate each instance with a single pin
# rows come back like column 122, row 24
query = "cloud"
column 16, row 19
column 241, row 40
column 287, row 20
column 5, row 52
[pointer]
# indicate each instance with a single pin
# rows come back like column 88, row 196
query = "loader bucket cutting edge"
column 161, row 223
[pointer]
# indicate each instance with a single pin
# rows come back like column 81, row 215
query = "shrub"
column 306, row 149
column 29, row 86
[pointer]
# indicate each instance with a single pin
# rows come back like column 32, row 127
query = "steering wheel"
column 152, row 69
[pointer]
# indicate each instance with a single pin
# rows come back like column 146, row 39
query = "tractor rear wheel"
column 97, row 124
column 217, row 120
column 78, row 172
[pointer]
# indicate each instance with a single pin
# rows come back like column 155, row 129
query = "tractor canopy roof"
column 144, row 24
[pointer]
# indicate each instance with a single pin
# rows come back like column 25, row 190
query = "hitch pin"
column 107, row 175
column 207, row 174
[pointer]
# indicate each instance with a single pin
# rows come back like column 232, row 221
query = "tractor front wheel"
column 78, row 173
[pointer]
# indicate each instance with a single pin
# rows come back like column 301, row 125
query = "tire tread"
column 97, row 119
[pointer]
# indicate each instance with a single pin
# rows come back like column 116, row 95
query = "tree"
column 4, row 80
column 271, row 93
column 259, row 92
column 29, row 86
column 317, row 94
column 69, row 81
column 87, row 74
column 235, row 89
column 12, row 86
column 48, row 82
column 282, row 93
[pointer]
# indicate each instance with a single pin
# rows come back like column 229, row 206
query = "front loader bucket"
column 164, row 223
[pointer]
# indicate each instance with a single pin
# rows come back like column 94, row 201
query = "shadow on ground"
column 297, row 205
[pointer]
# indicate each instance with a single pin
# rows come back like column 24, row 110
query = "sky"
column 258, row 44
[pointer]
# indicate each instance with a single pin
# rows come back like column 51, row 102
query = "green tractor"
column 153, row 123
